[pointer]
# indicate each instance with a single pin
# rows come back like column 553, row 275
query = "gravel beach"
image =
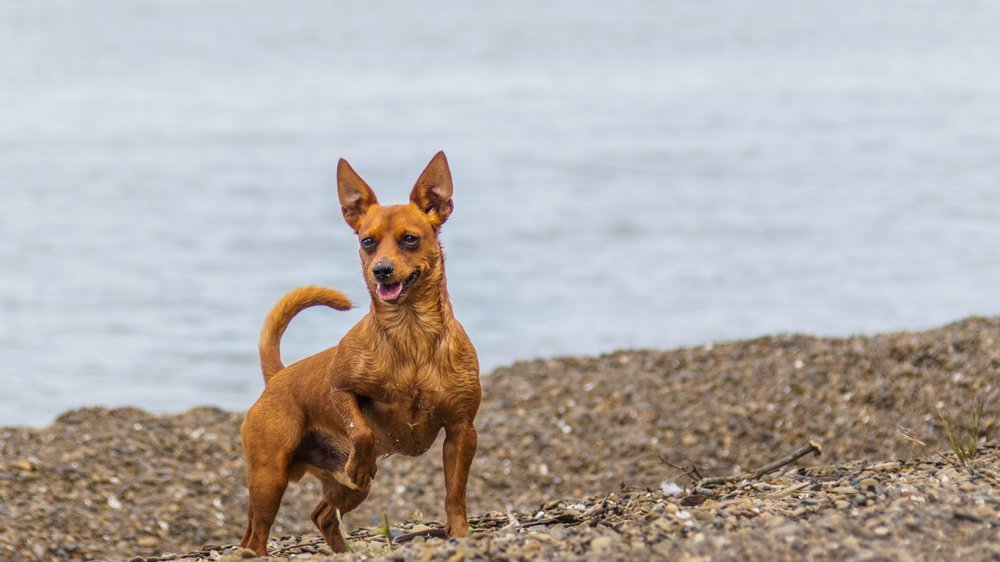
column 579, row 459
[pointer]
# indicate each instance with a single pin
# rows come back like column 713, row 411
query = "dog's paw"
column 360, row 471
column 459, row 529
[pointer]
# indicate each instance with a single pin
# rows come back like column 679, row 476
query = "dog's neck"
column 422, row 320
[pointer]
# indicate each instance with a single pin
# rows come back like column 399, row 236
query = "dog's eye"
column 410, row 241
column 368, row 243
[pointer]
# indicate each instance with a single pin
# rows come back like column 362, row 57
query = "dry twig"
column 705, row 484
column 407, row 537
column 297, row 545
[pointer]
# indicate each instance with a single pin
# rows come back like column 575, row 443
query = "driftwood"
column 704, row 485
column 811, row 447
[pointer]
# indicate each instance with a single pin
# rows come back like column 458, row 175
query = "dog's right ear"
column 355, row 195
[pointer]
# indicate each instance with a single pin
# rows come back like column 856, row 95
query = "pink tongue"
column 390, row 292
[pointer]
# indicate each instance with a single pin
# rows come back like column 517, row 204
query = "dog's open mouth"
column 390, row 292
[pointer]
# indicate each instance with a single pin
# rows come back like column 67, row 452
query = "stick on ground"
column 811, row 447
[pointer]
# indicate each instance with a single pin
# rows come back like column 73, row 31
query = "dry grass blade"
column 955, row 462
column 340, row 525
column 789, row 490
column 910, row 436
column 385, row 530
column 964, row 440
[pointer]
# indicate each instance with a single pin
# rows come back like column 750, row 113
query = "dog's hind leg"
column 337, row 500
column 269, row 443
column 246, row 534
column 267, row 487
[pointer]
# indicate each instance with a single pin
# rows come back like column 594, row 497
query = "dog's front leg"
column 460, row 443
column 360, row 466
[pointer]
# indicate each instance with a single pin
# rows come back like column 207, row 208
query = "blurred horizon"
column 656, row 175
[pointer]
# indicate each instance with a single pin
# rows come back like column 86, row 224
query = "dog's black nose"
column 382, row 271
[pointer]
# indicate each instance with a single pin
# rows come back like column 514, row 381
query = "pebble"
column 868, row 485
column 601, row 545
column 704, row 515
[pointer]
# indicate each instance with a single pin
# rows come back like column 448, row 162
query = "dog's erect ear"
column 432, row 192
column 355, row 195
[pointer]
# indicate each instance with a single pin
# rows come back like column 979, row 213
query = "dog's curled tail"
column 292, row 303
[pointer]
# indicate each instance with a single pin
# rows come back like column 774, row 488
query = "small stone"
column 147, row 542
column 664, row 548
column 601, row 544
column 968, row 487
column 868, row 485
column 246, row 553
column 324, row 549
column 703, row 515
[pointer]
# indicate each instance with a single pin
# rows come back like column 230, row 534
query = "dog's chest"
column 406, row 418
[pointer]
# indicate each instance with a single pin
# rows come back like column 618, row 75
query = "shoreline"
column 119, row 483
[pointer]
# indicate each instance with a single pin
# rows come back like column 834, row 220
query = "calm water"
column 659, row 174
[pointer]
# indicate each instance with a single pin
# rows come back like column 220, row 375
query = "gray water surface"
column 652, row 174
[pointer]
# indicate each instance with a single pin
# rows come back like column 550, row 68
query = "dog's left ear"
column 432, row 192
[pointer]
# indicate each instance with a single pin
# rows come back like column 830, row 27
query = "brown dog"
column 399, row 376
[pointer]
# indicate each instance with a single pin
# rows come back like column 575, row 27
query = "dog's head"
column 399, row 244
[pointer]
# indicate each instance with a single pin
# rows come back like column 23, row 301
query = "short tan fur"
column 406, row 371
